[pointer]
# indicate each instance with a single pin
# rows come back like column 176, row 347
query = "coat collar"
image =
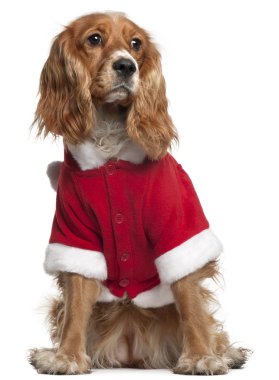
column 88, row 156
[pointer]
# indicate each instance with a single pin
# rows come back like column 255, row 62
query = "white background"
column 221, row 64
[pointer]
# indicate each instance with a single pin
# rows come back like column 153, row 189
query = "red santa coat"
column 135, row 227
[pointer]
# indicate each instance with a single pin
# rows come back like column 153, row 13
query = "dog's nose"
column 124, row 67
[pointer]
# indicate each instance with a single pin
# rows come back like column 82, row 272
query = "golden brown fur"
column 184, row 336
column 76, row 82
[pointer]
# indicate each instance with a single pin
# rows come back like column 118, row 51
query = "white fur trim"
column 107, row 296
column 62, row 258
column 88, row 156
column 158, row 296
column 132, row 152
column 188, row 257
column 53, row 171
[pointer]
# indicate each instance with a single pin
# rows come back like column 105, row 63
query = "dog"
column 130, row 245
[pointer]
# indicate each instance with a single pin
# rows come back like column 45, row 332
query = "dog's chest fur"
column 109, row 140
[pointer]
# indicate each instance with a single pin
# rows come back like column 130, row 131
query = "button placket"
column 124, row 257
column 123, row 250
column 120, row 225
column 110, row 169
column 119, row 218
column 124, row 282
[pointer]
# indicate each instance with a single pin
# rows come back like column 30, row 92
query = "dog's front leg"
column 197, row 325
column 80, row 294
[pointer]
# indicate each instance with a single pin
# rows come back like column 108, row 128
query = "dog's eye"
column 95, row 39
column 136, row 44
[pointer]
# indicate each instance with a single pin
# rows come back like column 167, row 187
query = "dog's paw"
column 206, row 365
column 236, row 357
column 52, row 362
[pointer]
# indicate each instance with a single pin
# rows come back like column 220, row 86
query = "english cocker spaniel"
column 130, row 245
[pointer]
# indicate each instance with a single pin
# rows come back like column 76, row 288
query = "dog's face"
column 99, row 59
column 114, row 50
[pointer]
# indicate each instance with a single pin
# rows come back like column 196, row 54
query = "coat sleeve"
column 180, row 233
column 75, row 244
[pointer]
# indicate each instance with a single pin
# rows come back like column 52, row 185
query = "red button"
column 124, row 283
column 119, row 218
column 110, row 168
column 124, row 257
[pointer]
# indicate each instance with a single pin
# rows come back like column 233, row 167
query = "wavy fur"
column 101, row 112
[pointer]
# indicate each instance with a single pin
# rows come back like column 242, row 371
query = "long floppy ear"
column 65, row 106
column 149, row 123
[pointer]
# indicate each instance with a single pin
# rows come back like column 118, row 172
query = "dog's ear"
column 65, row 106
column 149, row 123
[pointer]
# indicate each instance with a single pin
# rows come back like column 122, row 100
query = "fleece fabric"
column 133, row 226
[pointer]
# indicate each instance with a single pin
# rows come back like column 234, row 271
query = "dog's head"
column 104, row 58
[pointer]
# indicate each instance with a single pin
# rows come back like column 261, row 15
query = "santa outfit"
column 136, row 227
